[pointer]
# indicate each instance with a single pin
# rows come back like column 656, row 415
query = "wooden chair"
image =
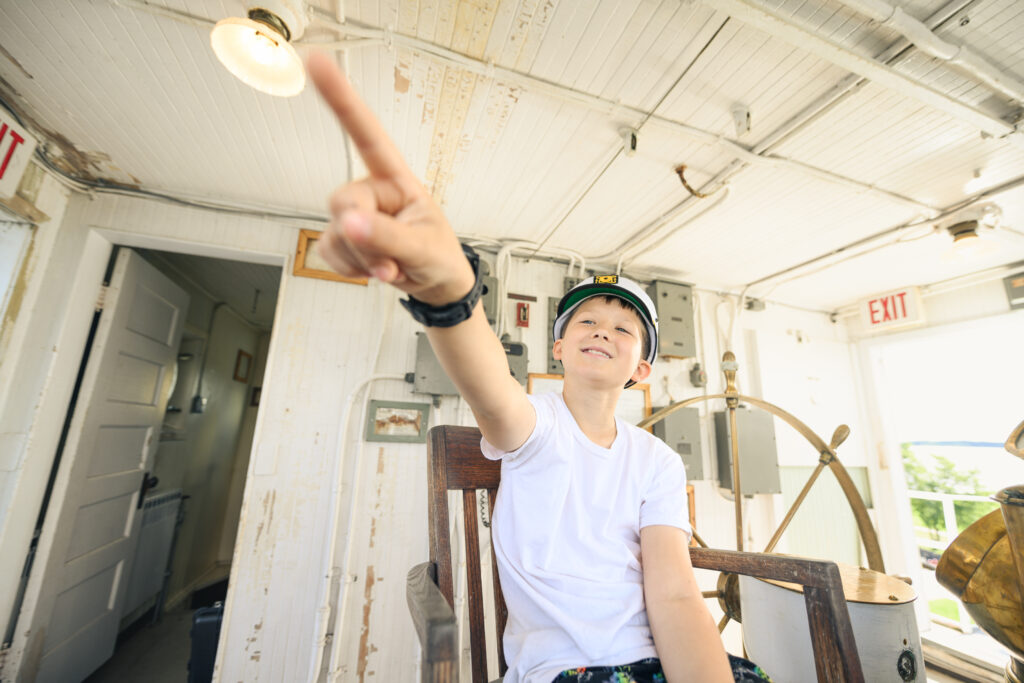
column 455, row 463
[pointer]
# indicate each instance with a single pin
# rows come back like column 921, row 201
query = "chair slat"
column 500, row 610
column 474, row 589
column 437, row 512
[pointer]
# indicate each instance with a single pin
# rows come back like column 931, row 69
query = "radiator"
column 159, row 516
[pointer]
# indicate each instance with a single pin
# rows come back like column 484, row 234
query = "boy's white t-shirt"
column 566, row 535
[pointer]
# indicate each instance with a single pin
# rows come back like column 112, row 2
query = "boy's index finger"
column 375, row 146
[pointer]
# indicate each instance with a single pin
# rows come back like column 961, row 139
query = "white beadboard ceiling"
column 837, row 157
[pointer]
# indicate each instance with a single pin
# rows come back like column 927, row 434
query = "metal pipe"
column 761, row 17
column 925, row 40
column 873, row 242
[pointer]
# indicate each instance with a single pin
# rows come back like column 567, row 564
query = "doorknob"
column 148, row 482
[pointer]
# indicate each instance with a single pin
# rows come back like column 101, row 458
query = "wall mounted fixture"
column 966, row 228
column 257, row 50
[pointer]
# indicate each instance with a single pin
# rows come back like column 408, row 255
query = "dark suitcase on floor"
column 205, row 633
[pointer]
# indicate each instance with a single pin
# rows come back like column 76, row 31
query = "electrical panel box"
column 676, row 335
column 554, row 366
column 430, row 378
column 759, row 457
column 681, row 431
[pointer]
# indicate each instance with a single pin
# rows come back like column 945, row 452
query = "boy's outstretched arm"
column 389, row 227
column 685, row 635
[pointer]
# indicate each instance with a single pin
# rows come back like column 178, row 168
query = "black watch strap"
column 454, row 313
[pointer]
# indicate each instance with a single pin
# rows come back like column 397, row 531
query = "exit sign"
column 16, row 148
column 901, row 308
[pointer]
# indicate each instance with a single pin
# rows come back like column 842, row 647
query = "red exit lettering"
column 15, row 140
column 888, row 308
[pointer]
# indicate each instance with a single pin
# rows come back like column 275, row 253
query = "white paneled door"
column 74, row 605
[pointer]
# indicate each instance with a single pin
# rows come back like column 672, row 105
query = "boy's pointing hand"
column 386, row 225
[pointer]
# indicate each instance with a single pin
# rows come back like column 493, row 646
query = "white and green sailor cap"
column 610, row 285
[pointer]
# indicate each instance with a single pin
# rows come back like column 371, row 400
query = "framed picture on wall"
column 397, row 422
column 243, row 366
column 309, row 264
column 634, row 405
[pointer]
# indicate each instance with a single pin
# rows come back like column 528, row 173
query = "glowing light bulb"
column 263, row 49
column 259, row 56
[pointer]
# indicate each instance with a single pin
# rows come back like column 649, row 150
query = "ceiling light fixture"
column 965, row 227
column 257, row 50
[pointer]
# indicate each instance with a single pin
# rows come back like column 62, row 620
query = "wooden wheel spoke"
column 793, row 508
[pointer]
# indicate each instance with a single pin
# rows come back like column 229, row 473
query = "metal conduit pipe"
column 865, row 244
column 765, row 18
column 925, row 40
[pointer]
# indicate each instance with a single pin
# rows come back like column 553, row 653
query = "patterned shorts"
column 649, row 671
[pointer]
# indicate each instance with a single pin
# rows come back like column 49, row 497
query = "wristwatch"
column 454, row 313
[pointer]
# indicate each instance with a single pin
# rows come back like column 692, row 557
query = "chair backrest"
column 455, row 463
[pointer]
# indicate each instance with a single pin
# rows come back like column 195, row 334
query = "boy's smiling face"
column 603, row 340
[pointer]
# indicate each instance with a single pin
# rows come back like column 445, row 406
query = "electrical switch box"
column 522, row 314
column 674, row 301
column 430, row 378
column 758, row 455
column 681, row 431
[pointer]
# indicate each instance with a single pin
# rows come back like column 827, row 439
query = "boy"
column 584, row 496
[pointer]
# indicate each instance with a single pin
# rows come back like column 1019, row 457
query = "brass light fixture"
column 257, row 49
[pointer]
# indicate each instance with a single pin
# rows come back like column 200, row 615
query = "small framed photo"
column 309, row 264
column 255, row 400
column 243, row 366
column 398, row 422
